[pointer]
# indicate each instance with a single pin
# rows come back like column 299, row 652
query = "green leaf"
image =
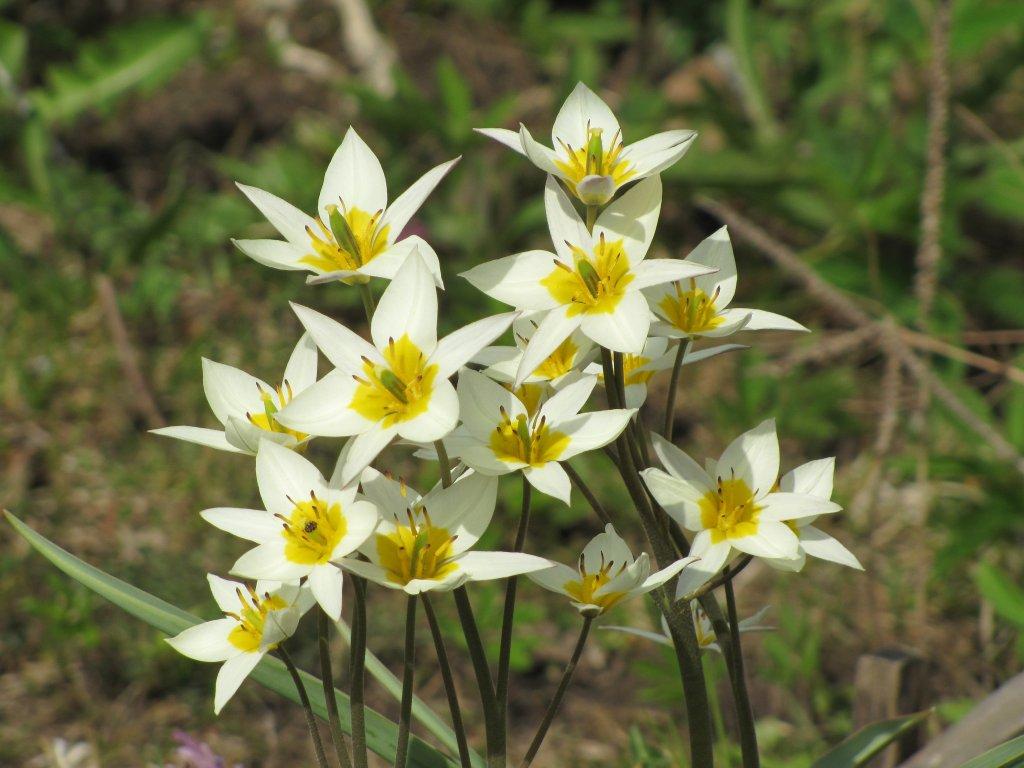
column 136, row 56
column 381, row 733
column 13, row 46
column 1005, row 755
column 869, row 741
column 1006, row 597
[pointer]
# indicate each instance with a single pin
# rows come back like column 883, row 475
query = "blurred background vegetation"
column 124, row 126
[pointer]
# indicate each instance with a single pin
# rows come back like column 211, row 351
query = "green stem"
column 444, row 463
column 494, row 727
column 682, row 351
column 588, row 494
column 314, row 731
column 405, row 714
column 556, row 700
column 744, row 710
column 591, row 217
column 449, row 683
column 330, row 694
column 508, row 616
column 368, row 303
column 358, row 674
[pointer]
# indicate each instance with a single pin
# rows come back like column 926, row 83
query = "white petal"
column 281, row 473
column 555, row 328
column 658, row 152
column 711, row 558
column 456, row 349
column 760, row 320
column 813, row 478
column 541, row 156
column 465, row 508
column 326, row 583
column 354, row 177
column 794, row 506
column 659, row 271
column 323, row 409
column 370, row 571
column 484, row 566
column 231, row 392
column 276, row 254
column 636, row 396
column 681, row 465
column 391, row 497
column 286, row 218
column 679, row 498
column 438, row 420
column 817, row 543
column 754, row 458
column 550, row 479
column 361, row 519
column 582, row 109
column 569, row 400
column 408, row 307
column 658, row 578
column 206, row 642
column 231, row 675
column 407, row 203
column 604, row 548
column 267, row 561
column 716, row 251
column 363, row 449
column 633, row 217
column 300, row 372
column 247, row 437
column 771, row 540
column 646, row 634
column 225, row 592
column 516, row 280
column 343, row 347
column 212, row 438
column 251, row 524
column 481, row 401
column 565, row 225
column 589, row 431
column 709, row 352
column 555, row 578
column 733, row 321
column 622, row 330
column 503, row 136
column 387, row 263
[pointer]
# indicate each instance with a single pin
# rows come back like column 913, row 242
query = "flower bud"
column 595, row 190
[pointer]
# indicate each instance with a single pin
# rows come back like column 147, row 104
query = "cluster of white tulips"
column 592, row 320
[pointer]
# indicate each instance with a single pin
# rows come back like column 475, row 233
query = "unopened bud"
column 595, row 190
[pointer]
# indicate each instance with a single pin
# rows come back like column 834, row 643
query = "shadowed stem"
column 588, row 494
column 556, row 700
column 405, row 714
column 683, row 349
column 314, row 731
column 493, row 723
column 444, row 463
column 449, row 683
column 508, row 617
column 330, row 697
column 358, row 674
column 366, row 294
column 744, row 711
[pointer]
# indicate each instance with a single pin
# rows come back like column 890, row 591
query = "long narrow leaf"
column 1010, row 753
column 381, row 733
column 868, row 742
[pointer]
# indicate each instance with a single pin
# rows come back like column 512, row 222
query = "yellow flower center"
column 251, row 618
column 530, row 395
column 693, row 311
column 583, row 591
column 519, row 440
column 595, row 283
column 267, row 421
column 594, row 160
column 397, row 391
column 729, row 512
column 312, row 531
column 702, row 626
column 350, row 240
column 559, row 362
column 418, row 550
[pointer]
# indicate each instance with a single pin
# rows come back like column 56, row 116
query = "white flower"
column 593, row 281
column 702, row 625
column 814, row 479
column 589, row 155
column 399, row 384
column 422, row 543
column 637, row 370
column 354, row 234
column 255, row 620
column 307, row 524
column 731, row 503
column 247, row 407
column 698, row 307
column 498, row 434
column 606, row 575
column 560, row 367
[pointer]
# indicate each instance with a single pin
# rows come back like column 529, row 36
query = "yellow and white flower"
column 814, row 479
column 732, row 504
column 702, row 625
column 588, row 153
column 398, row 385
column 606, row 575
column 306, row 525
column 593, row 281
column 423, row 542
column 637, row 370
column 498, row 435
column 355, row 233
column 255, row 620
column 247, row 407
column 699, row 306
